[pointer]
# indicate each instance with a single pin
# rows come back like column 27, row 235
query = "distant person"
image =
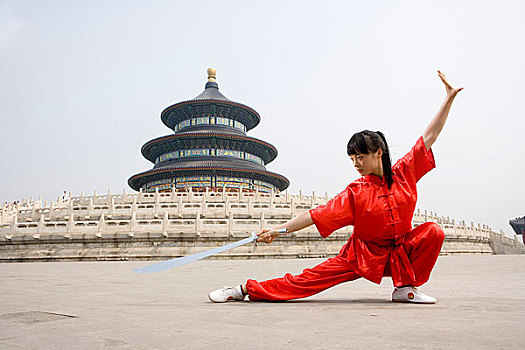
column 380, row 205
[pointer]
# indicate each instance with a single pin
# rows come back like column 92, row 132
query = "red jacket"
column 381, row 217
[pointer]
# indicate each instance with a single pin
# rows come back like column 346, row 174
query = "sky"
column 83, row 83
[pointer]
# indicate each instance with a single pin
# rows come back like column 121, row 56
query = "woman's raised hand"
column 436, row 124
column 452, row 92
column 267, row 235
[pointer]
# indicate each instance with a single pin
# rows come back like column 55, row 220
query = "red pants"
column 421, row 244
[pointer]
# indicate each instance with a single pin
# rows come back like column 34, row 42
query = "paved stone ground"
column 105, row 305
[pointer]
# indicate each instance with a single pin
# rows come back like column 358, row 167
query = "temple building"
column 209, row 148
column 518, row 225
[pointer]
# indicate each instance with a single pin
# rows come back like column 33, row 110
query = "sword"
column 170, row 264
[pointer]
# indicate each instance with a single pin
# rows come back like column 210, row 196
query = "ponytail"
column 366, row 142
column 387, row 161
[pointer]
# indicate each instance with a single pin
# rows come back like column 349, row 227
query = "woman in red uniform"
column 380, row 206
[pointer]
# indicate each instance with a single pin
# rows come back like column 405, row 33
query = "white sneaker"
column 411, row 295
column 226, row 294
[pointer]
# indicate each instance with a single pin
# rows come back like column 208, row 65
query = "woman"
column 380, row 206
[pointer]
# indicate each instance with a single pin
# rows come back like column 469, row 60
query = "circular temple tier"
column 209, row 149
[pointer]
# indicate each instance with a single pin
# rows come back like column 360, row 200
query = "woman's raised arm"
column 436, row 124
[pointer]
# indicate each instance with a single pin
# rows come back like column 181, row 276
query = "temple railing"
column 176, row 214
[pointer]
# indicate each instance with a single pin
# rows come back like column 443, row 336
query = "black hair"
column 366, row 142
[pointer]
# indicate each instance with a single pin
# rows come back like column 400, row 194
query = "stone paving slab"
column 105, row 305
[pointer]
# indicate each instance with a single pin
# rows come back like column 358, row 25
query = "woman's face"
column 368, row 164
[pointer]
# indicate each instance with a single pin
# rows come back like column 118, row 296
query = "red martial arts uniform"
column 383, row 242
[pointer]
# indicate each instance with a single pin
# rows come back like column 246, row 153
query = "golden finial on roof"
column 212, row 73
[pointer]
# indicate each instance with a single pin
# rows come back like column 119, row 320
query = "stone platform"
column 162, row 225
column 105, row 305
